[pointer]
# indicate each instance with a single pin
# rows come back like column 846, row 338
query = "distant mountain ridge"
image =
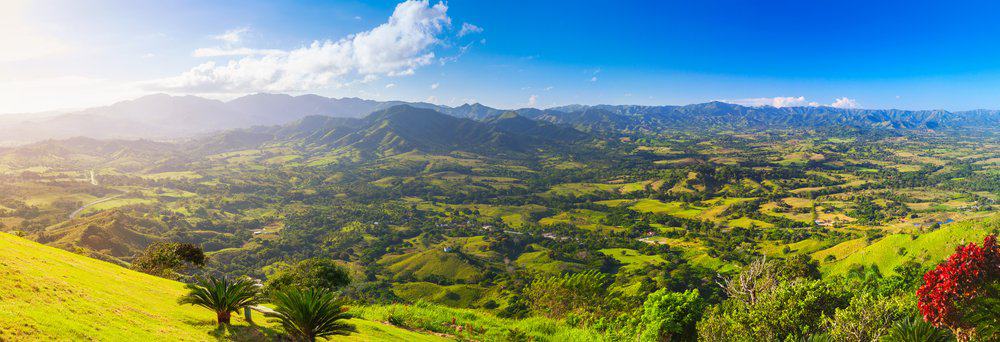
column 165, row 117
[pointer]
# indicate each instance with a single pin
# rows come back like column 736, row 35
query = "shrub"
column 971, row 272
column 310, row 314
column 221, row 295
column 668, row 314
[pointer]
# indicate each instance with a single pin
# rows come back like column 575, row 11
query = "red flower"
column 959, row 278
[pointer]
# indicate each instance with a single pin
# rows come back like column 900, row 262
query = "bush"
column 670, row 314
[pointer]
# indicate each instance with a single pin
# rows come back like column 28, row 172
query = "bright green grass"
column 580, row 189
column 746, row 222
column 632, row 259
column 669, row 208
column 841, row 250
column 115, row 203
column 540, row 261
column 375, row 331
column 176, row 175
column 928, row 248
column 52, row 295
column 458, row 295
column 582, row 218
column 430, row 262
column 484, row 327
column 806, row 246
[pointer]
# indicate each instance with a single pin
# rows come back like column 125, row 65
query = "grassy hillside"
column 51, row 294
column 893, row 250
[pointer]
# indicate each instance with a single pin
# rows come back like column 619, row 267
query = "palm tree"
column 916, row 330
column 310, row 314
column 221, row 295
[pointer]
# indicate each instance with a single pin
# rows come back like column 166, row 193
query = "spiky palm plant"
column 916, row 330
column 221, row 295
column 310, row 314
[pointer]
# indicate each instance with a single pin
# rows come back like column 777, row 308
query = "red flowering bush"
column 967, row 274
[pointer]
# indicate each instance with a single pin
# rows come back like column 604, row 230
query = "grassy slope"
column 893, row 250
column 50, row 294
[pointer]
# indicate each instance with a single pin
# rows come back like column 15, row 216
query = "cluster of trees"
column 303, row 295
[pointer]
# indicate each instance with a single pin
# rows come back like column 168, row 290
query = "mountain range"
column 165, row 117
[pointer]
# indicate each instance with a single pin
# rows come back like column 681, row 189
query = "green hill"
column 893, row 250
column 53, row 295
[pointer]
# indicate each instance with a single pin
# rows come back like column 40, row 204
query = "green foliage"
column 556, row 296
column 314, row 273
column 914, row 329
column 789, row 311
column 166, row 259
column 309, row 314
column 221, row 295
column 666, row 315
column 868, row 318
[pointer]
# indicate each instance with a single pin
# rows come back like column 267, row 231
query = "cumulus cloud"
column 532, row 100
column 593, row 79
column 435, row 85
column 778, row 102
column 845, row 102
column 469, row 29
column 395, row 48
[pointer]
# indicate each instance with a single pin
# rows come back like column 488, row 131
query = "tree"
column 166, row 259
column 915, row 330
column 221, row 295
column 867, row 318
column 666, row 314
column 556, row 296
column 310, row 314
column 950, row 289
column 755, row 280
column 319, row 273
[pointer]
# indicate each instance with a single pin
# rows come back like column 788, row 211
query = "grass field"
column 632, row 259
column 431, row 262
column 458, row 295
column 53, row 295
column 929, row 248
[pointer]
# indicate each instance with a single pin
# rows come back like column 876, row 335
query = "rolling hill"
column 50, row 294
column 164, row 117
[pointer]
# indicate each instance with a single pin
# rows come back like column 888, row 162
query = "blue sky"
column 870, row 54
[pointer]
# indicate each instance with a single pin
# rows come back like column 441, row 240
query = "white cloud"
column 390, row 85
column 845, row 102
column 395, row 48
column 469, row 29
column 224, row 52
column 549, row 88
column 357, row 17
column 593, row 79
column 233, row 36
column 431, row 99
column 435, row 85
column 148, row 55
column 532, row 100
column 778, row 102
column 461, row 51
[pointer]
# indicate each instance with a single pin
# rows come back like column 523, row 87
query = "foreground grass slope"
column 52, row 295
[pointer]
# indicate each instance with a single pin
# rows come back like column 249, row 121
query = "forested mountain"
column 163, row 117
